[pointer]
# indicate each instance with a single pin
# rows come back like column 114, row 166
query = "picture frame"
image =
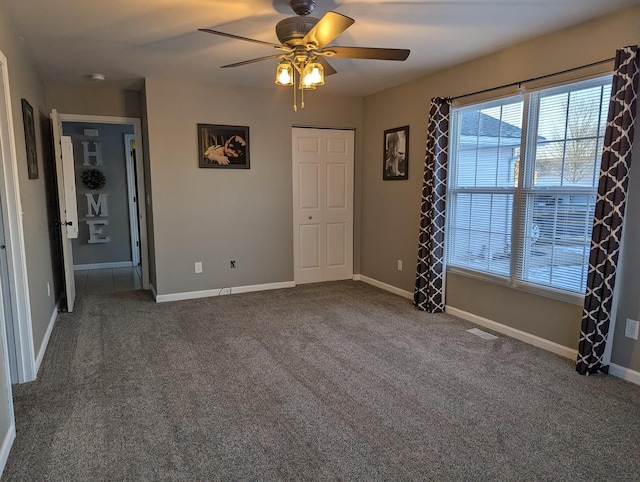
column 30, row 139
column 395, row 154
column 223, row 146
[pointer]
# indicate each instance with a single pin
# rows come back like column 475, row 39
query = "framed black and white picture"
column 221, row 146
column 30, row 139
column 395, row 165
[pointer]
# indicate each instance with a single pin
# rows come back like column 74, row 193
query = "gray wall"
column 216, row 215
column 94, row 99
column 626, row 352
column 390, row 214
column 111, row 137
column 24, row 82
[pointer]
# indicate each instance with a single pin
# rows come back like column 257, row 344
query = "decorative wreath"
column 93, row 178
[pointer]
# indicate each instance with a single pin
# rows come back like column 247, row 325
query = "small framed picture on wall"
column 395, row 164
column 30, row 139
column 223, row 146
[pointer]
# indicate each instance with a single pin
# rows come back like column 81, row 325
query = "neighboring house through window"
column 522, row 184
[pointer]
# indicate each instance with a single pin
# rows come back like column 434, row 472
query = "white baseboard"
column 190, row 295
column 478, row 320
column 383, row 286
column 514, row 333
column 7, row 443
column 45, row 341
column 117, row 264
column 625, row 373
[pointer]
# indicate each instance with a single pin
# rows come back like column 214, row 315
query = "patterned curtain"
column 428, row 294
column 609, row 213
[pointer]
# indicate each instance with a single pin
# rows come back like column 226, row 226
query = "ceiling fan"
column 304, row 47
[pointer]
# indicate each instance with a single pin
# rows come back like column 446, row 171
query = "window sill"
column 559, row 295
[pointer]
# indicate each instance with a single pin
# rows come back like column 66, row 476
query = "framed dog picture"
column 30, row 139
column 225, row 147
column 395, row 165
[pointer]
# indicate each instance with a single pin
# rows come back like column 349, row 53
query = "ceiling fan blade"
column 328, row 69
column 245, row 62
column 367, row 53
column 237, row 37
column 328, row 28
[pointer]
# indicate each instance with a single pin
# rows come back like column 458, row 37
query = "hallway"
column 108, row 280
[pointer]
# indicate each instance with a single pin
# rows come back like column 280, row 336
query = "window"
column 522, row 185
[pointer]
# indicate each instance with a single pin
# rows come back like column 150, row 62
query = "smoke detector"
column 97, row 77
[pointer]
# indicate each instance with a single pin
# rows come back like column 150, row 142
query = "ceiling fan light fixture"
column 305, row 82
column 315, row 71
column 284, row 73
column 303, row 46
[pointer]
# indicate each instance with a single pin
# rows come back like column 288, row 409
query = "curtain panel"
column 428, row 294
column 606, row 236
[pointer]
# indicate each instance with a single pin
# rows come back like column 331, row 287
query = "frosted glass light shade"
column 315, row 71
column 284, row 73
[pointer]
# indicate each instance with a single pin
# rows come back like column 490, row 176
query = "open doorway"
column 109, row 253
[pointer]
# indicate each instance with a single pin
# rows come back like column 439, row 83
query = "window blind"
column 564, row 142
column 522, row 184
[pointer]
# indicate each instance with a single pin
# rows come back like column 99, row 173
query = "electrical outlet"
column 631, row 329
column 399, row 265
column 198, row 267
column 232, row 264
column 48, row 289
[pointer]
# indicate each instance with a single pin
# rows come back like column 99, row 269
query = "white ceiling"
column 128, row 40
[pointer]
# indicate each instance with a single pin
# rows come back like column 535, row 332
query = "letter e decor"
column 96, row 231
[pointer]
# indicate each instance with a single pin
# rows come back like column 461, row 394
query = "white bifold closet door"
column 323, row 164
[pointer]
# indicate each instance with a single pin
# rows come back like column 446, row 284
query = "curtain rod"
column 518, row 84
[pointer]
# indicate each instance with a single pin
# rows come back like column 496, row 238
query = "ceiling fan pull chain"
column 295, row 100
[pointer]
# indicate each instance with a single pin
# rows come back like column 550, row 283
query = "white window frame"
column 520, row 192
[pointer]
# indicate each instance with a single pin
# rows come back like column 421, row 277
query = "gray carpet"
column 337, row 381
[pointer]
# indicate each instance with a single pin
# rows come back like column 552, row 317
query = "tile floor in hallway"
column 107, row 280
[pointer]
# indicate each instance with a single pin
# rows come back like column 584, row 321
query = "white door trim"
column 142, row 211
column 16, row 251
